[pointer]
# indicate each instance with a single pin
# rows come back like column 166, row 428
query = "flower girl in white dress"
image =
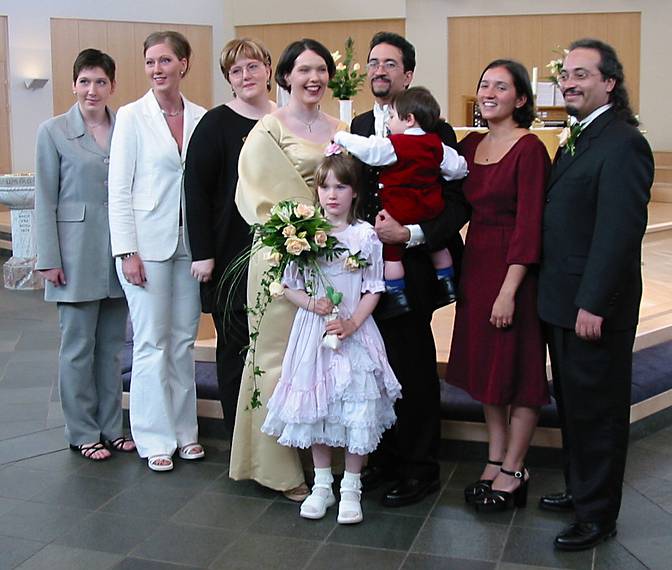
column 344, row 396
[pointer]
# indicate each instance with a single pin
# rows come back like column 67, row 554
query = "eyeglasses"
column 576, row 75
column 388, row 65
column 251, row 68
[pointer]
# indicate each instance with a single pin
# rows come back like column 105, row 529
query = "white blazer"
column 146, row 179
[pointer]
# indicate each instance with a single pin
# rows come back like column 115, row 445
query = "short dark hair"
column 90, row 57
column 611, row 68
column 406, row 47
column 523, row 116
column 421, row 103
column 177, row 42
column 347, row 170
column 294, row 50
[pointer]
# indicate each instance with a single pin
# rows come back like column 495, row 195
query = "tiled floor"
column 58, row 511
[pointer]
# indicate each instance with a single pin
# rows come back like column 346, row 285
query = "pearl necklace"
column 173, row 114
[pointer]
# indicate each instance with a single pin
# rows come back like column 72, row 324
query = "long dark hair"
column 522, row 116
column 611, row 68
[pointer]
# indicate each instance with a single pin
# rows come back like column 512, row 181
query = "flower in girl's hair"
column 333, row 148
column 321, row 238
column 294, row 233
column 355, row 261
column 304, row 211
column 276, row 289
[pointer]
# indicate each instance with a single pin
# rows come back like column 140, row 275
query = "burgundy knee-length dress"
column 501, row 366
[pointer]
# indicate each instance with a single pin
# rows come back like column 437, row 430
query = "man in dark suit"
column 408, row 453
column 590, row 286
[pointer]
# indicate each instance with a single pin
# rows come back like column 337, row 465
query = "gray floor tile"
column 371, row 503
column 282, row 519
column 36, row 521
column 79, row 492
column 461, row 539
column 379, row 530
column 24, row 395
column 223, row 511
column 613, row 555
column 23, row 412
column 110, row 533
column 8, row 504
column 145, row 500
column 38, row 374
column 131, row 563
column 655, row 489
column 55, row 557
column 428, row 562
column 10, row 430
column 451, row 505
column 185, row 544
column 535, row 548
column 30, row 445
column 241, row 488
column 20, row 483
column 14, row 550
column 534, row 517
column 642, row 462
column 338, row 556
column 254, row 551
column 511, row 566
column 63, row 461
column 654, row 552
column 125, row 468
column 187, row 474
column 38, row 340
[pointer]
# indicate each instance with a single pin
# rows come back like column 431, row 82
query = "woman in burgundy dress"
column 498, row 354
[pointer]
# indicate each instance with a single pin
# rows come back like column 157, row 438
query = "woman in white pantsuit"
column 74, row 257
column 153, row 258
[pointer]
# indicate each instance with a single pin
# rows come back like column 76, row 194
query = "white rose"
column 340, row 67
column 564, row 136
column 288, row 231
column 356, row 67
column 296, row 245
column 336, row 55
column 320, row 238
column 304, row 211
column 350, row 264
column 274, row 257
column 276, row 289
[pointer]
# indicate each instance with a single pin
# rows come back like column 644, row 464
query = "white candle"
column 535, row 78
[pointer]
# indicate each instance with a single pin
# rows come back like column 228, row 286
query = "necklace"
column 173, row 114
column 309, row 124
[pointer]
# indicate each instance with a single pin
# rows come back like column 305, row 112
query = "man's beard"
column 571, row 110
column 379, row 91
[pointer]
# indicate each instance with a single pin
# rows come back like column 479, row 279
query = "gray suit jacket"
column 71, row 223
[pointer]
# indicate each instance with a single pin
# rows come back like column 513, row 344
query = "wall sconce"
column 35, row 83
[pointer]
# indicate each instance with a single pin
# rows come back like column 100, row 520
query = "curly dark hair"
column 611, row 68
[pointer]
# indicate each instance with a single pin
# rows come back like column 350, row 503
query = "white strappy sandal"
column 321, row 498
column 350, row 507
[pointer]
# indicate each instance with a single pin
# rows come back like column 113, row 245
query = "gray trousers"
column 92, row 335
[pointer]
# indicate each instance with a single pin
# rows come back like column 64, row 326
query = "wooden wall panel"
column 123, row 41
column 5, row 148
column 475, row 41
column 333, row 35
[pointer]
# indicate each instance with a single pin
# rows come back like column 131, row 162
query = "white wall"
column 426, row 28
column 30, row 51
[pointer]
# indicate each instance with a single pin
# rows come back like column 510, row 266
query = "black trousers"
column 232, row 338
column 592, row 382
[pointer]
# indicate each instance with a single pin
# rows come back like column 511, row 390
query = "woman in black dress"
column 217, row 233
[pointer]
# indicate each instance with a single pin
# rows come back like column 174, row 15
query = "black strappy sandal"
column 118, row 444
column 476, row 490
column 87, row 450
column 494, row 501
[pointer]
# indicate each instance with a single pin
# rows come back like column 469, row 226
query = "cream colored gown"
column 274, row 165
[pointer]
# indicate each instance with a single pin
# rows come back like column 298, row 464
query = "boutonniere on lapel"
column 568, row 137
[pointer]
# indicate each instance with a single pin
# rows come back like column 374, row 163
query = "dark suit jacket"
column 594, row 221
column 442, row 231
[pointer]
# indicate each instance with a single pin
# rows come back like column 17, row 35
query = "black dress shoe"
column 409, row 491
column 446, row 292
column 584, row 535
column 393, row 303
column 373, row 477
column 559, row 502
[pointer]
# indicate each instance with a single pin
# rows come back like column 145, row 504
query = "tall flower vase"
column 345, row 110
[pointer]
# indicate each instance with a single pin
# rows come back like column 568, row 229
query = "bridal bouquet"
column 295, row 233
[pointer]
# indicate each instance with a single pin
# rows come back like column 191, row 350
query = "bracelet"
column 125, row 256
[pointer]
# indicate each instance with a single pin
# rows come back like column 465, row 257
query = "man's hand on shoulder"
column 588, row 326
column 389, row 230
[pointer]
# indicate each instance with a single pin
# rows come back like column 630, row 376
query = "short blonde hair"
column 248, row 47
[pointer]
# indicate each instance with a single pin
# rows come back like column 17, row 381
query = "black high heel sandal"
column 494, row 501
column 476, row 490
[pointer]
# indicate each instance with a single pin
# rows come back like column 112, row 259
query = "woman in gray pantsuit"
column 75, row 258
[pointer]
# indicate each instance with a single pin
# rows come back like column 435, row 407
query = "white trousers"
column 165, row 314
